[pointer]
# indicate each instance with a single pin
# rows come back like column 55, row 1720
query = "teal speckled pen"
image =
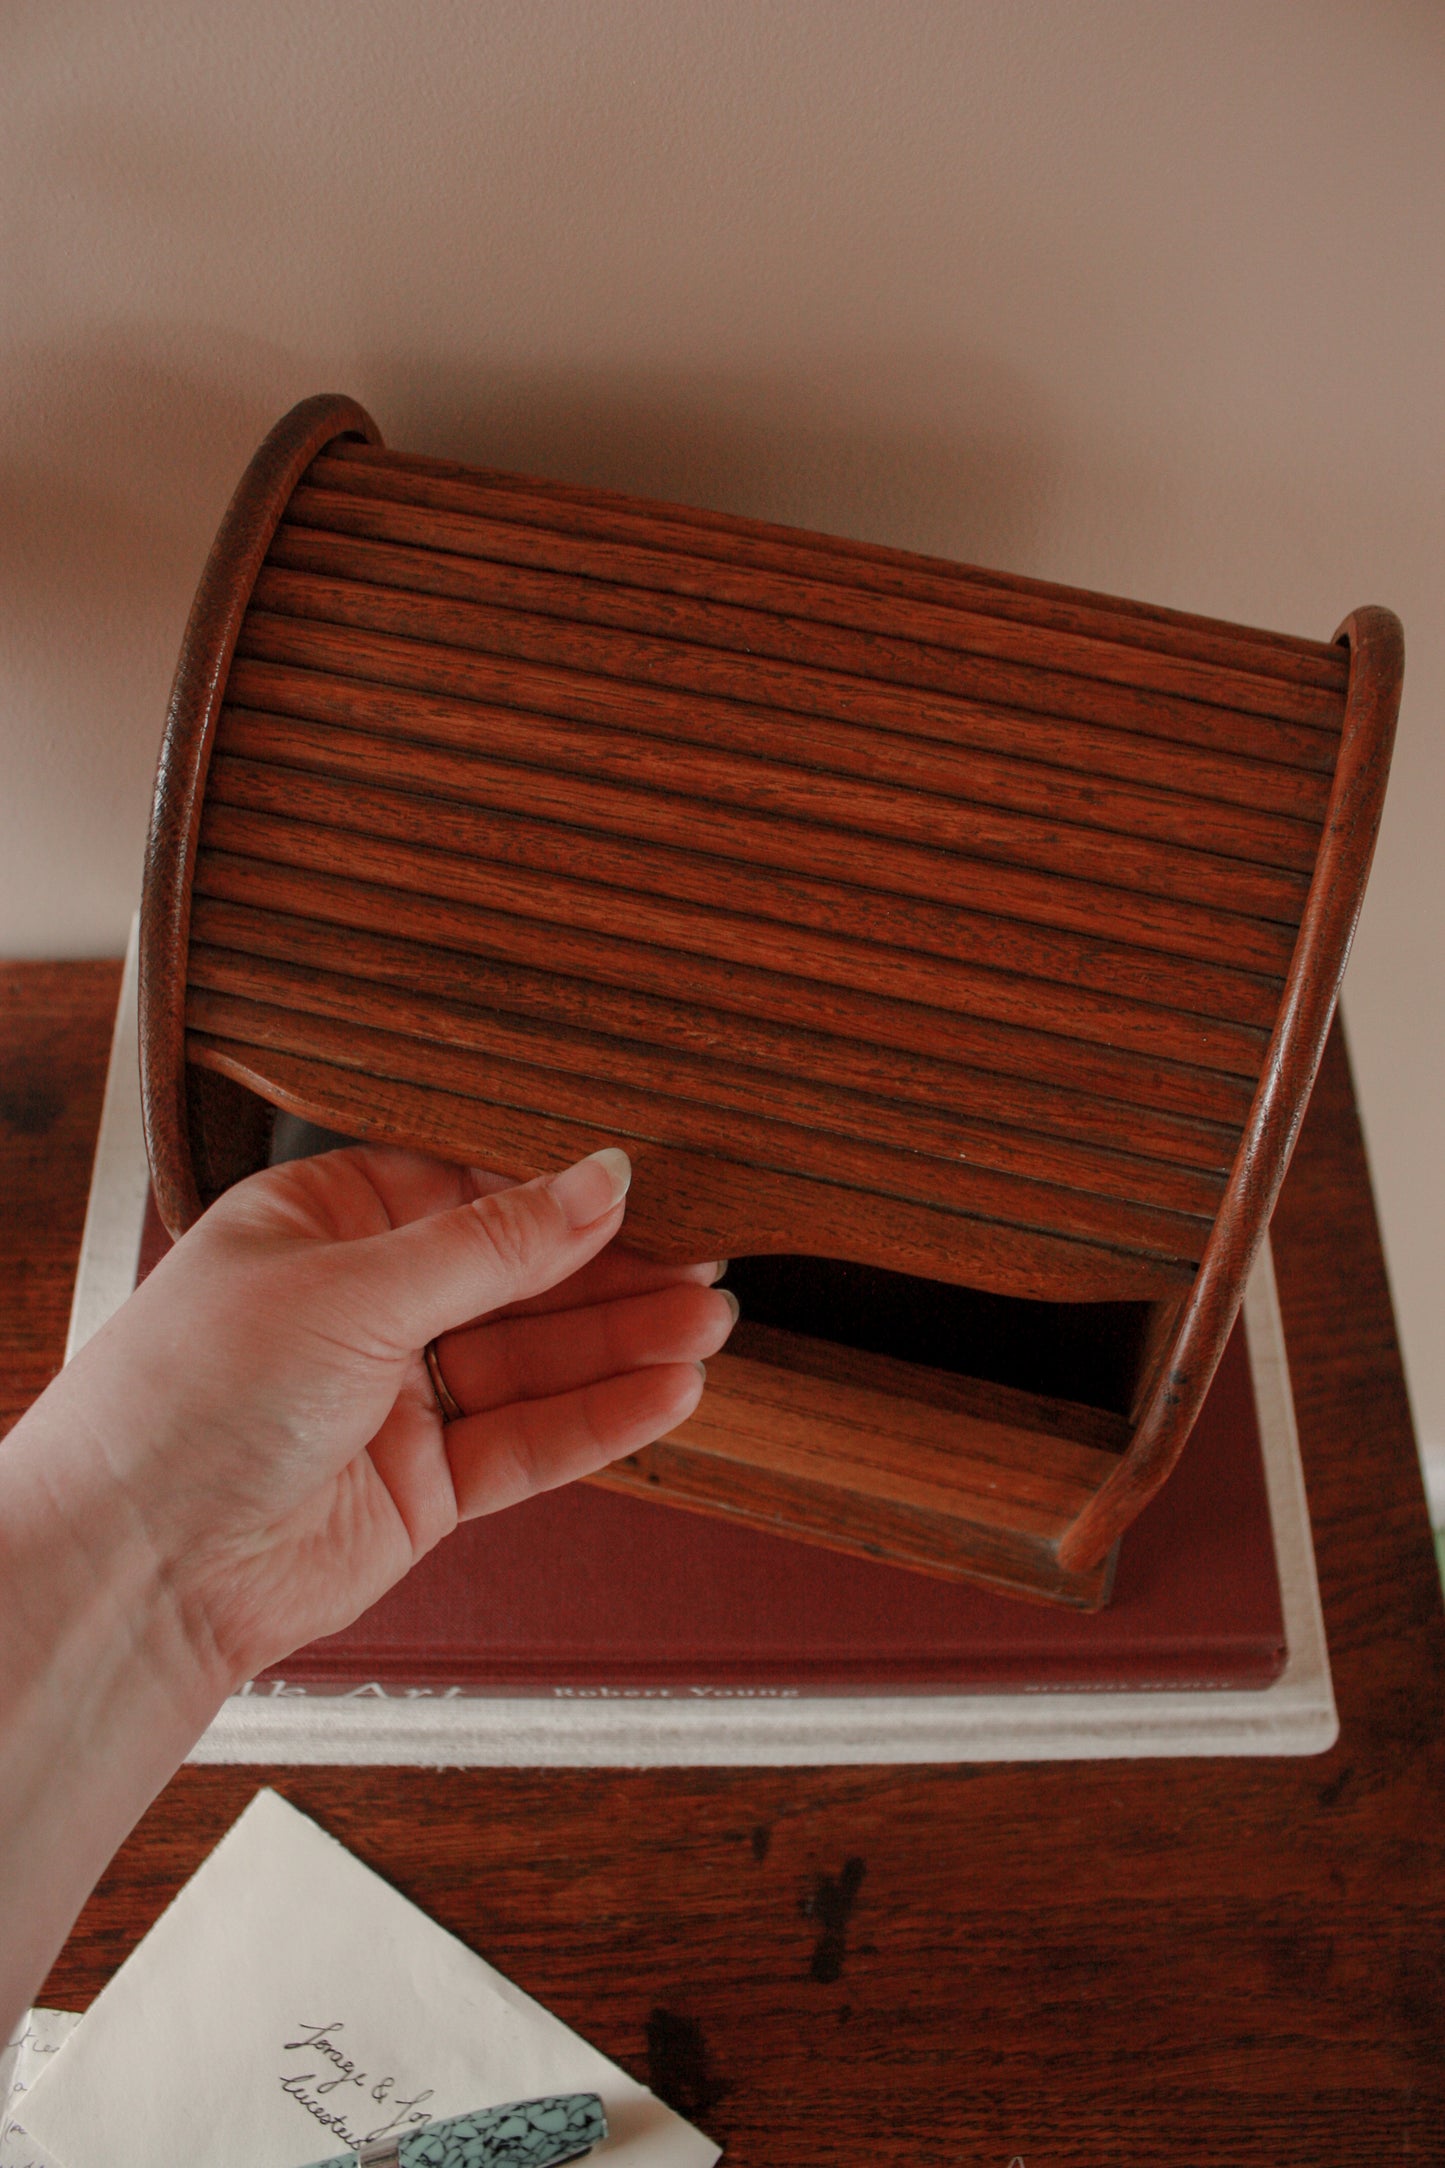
column 522, row 2134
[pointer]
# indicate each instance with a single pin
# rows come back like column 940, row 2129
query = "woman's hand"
column 251, row 1452
column 263, row 1406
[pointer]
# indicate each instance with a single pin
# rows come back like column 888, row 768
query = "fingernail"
column 720, row 1268
column 732, row 1302
column 593, row 1186
column 702, row 1372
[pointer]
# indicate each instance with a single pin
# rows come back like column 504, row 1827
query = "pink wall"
column 1139, row 297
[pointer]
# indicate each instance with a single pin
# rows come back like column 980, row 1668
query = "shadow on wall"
column 117, row 468
column 114, row 469
column 117, row 463
column 811, row 454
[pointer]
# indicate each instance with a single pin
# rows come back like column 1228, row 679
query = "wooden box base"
column 860, row 1452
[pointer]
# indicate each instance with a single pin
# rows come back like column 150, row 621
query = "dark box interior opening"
column 1088, row 1352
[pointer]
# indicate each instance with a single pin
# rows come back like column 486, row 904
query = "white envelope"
column 40, row 2036
column 290, row 2003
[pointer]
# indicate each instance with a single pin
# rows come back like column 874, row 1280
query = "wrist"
column 93, row 1600
column 102, row 1690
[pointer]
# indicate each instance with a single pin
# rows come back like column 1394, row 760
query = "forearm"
column 101, row 1692
column 251, row 1452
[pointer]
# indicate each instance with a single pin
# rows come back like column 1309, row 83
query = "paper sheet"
column 290, row 2003
column 21, row 2062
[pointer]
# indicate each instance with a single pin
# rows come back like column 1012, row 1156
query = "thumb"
column 441, row 1271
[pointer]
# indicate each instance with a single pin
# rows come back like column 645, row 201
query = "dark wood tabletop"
column 1202, row 1962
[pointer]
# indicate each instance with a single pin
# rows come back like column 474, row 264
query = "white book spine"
column 120, row 1180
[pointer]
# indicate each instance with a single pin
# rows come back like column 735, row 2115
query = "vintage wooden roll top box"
column 952, row 951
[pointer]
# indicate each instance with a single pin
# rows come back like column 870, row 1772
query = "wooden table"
column 1203, row 1962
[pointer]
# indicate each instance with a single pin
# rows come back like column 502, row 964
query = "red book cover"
column 584, row 1593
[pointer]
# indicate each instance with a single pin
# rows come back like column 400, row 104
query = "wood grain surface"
column 412, row 478
column 800, row 780
column 1184, row 1963
column 55, row 1025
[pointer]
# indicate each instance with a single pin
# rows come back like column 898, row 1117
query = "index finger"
column 411, row 1186
column 612, row 1272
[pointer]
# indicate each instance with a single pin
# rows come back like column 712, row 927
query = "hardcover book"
column 591, row 1626
column 590, row 1594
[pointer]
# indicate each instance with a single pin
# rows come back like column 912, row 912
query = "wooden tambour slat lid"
column 881, row 908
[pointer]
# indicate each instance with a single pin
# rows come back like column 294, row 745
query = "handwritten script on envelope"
column 290, row 2004
column 42, row 2034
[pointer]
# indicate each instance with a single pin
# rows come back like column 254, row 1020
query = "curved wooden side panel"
column 244, row 537
column 1376, row 644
